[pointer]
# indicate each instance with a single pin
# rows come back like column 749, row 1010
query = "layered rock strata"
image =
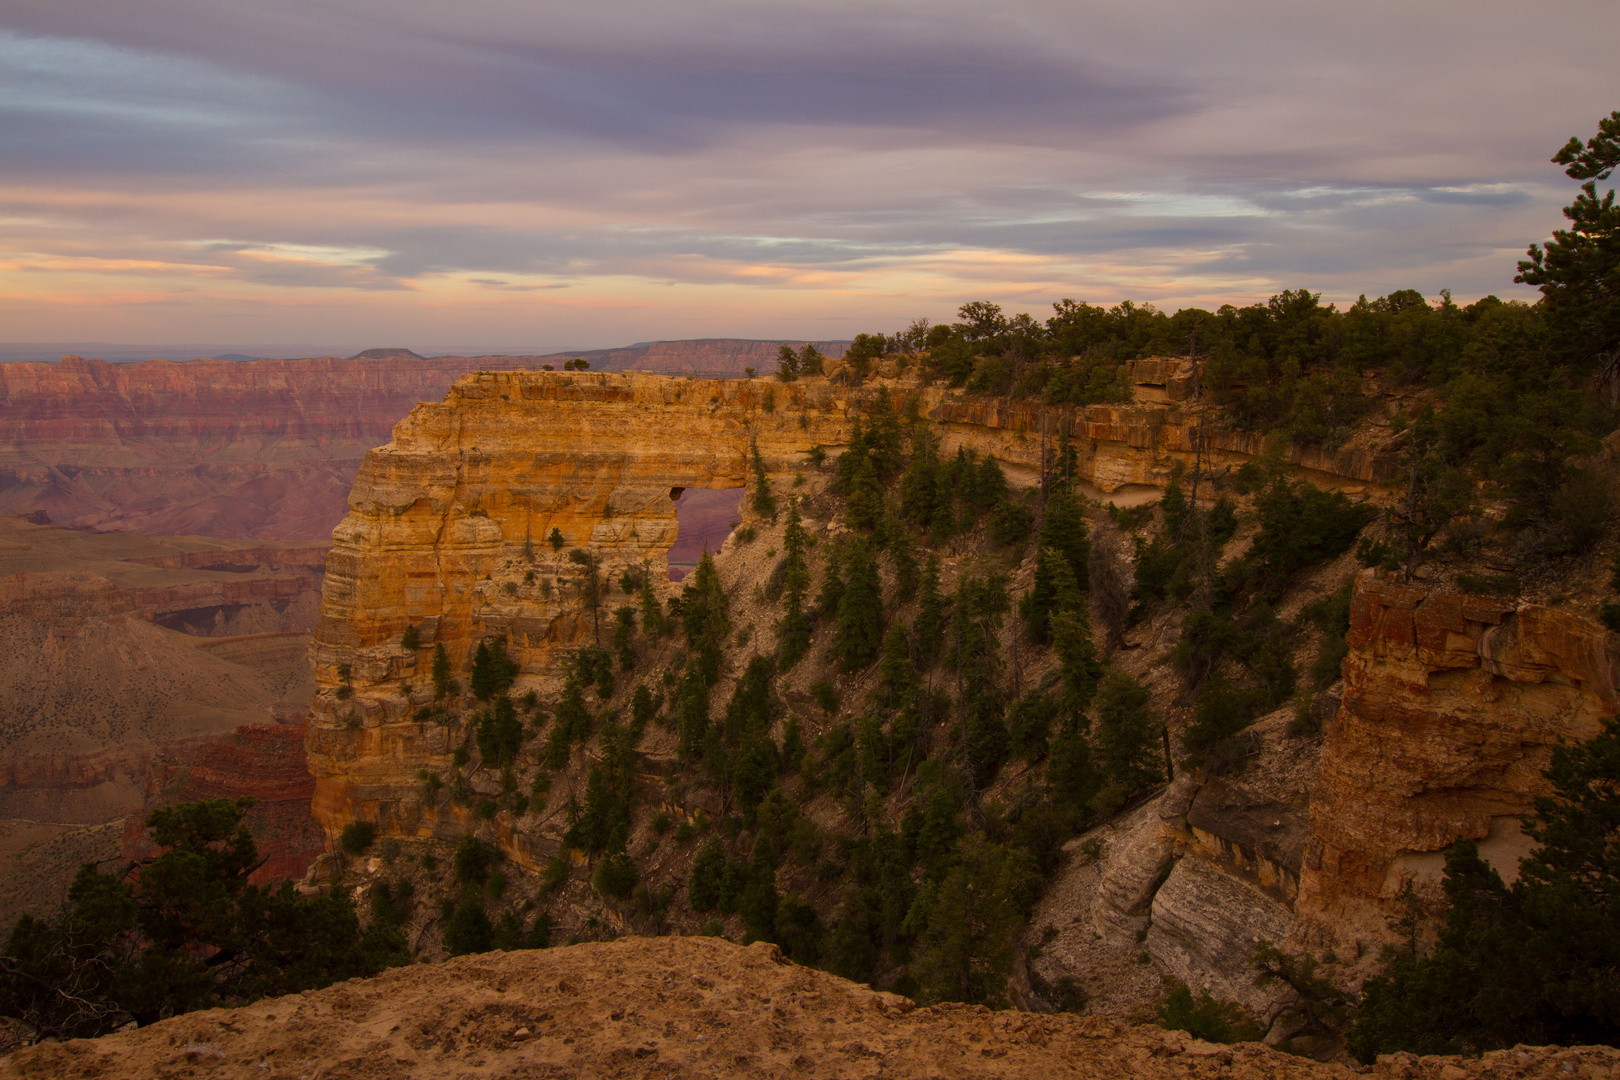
column 1452, row 705
column 449, row 524
column 1194, row 879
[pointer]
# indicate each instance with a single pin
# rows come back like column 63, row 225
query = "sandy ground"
column 679, row 1008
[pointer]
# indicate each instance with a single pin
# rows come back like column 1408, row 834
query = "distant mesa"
column 387, row 354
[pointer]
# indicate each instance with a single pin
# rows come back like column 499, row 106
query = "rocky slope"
column 1449, row 705
column 686, row 1007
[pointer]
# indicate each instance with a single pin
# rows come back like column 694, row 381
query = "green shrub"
column 1205, row 1018
column 469, row 929
column 616, row 876
column 357, row 836
column 825, row 696
column 473, row 861
column 1609, row 613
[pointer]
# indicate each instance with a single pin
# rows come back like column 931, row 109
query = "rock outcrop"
column 684, row 1008
column 1193, row 880
column 1452, row 705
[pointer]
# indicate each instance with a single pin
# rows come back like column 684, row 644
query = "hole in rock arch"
column 704, row 517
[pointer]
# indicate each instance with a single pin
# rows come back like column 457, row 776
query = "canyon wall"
column 1452, row 705
column 448, row 524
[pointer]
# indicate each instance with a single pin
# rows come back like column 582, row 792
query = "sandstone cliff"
column 1452, row 704
column 260, row 449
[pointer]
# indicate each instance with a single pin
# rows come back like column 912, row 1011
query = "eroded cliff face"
column 448, row 524
column 1452, row 705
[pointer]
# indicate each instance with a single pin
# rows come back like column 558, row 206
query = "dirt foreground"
column 683, row 1007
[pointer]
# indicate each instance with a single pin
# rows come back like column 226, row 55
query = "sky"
column 506, row 174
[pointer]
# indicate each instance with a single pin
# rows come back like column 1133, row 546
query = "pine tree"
column 904, row 557
column 858, row 637
column 967, row 924
column 1127, row 738
column 705, row 618
column 1063, row 539
column 1110, row 595
column 793, row 632
column 917, row 487
column 929, row 628
column 759, row 899
column 442, row 683
column 832, row 582
column 764, row 503
column 708, row 869
column 787, row 364
column 899, row 684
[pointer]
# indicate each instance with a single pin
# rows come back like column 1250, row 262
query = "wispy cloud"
column 345, row 170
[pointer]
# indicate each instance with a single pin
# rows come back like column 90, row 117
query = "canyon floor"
column 685, row 1007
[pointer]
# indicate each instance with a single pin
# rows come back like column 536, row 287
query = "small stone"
column 521, row 1033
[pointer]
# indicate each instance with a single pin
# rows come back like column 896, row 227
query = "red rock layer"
column 265, row 761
